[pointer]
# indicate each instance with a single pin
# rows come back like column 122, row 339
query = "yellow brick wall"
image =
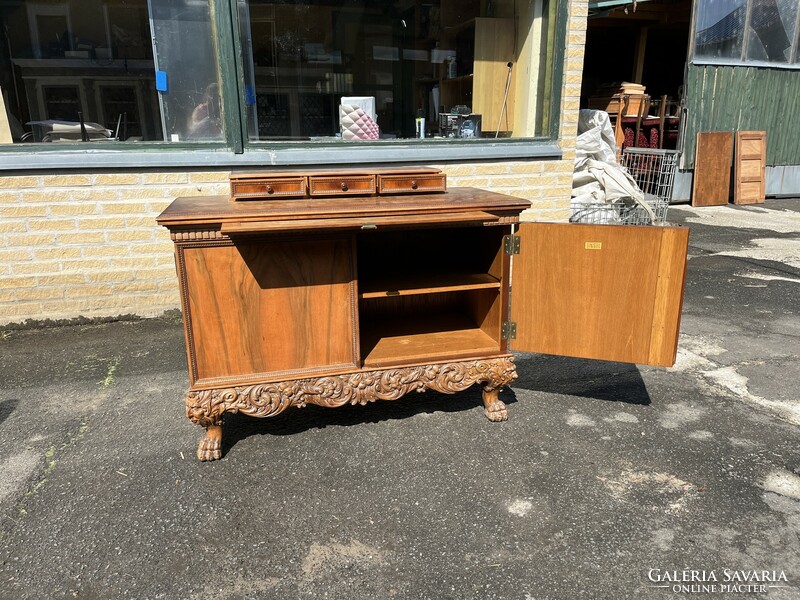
column 86, row 243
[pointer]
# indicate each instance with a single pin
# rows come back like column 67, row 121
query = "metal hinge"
column 508, row 331
column 511, row 244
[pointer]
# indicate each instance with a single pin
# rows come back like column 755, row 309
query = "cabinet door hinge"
column 511, row 244
column 508, row 331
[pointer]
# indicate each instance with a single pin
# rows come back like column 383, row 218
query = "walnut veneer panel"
column 269, row 307
column 600, row 291
column 712, row 169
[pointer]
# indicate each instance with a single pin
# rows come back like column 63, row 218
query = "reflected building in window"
column 90, row 65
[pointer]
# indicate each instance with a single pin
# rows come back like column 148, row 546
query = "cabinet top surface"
column 196, row 210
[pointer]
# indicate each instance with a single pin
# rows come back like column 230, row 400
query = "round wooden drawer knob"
column 413, row 184
column 344, row 186
column 270, row 190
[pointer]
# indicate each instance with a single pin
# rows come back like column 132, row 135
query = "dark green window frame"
column 235, row 151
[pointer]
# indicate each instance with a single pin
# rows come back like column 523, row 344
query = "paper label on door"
column 593, row 245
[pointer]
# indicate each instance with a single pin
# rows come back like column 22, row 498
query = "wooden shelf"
column 426, row 284
column 460, row 78
column 428, row 337
column 451, row 29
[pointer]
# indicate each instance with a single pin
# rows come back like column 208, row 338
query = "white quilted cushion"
column 356, row 124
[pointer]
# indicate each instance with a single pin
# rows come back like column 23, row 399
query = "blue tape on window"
column 249, row 95
column 161, row 81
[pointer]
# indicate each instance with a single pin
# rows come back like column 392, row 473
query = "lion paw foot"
column 496, row 411
column 209, row 449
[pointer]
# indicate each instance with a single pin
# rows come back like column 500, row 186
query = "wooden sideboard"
column 349, row 300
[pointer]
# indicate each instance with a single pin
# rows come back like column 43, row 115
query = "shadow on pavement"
column 294, row 420
column 6, row 408
column 598, row 379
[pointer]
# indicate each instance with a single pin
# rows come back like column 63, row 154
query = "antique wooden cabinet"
column 344, row 300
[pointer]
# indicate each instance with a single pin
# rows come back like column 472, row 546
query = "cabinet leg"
column 206, row 409
column 210, row 447
column 494, row 408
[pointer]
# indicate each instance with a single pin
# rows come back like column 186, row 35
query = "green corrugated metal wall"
column 724, row 98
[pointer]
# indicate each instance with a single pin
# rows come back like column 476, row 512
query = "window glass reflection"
column 354, row 69
column 772, row 25
column 720, row 29
column 72, row 71
column 86, row 70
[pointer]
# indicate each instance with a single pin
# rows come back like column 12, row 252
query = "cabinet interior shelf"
column 428, row 337
column 411, row 285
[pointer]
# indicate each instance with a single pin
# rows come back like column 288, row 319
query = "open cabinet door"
column 609, row 292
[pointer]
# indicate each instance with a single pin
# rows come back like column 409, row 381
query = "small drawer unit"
column 266, row 187
column 424, row 183
column 343, row 185
column 319, row 184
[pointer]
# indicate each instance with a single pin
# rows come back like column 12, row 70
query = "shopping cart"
column 654, row 173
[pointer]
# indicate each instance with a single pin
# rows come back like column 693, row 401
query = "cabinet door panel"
column 260, row 307
column 599, row 291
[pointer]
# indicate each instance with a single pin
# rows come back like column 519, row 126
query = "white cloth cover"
column 598, row 179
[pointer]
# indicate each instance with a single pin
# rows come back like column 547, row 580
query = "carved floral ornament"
column 206, row 407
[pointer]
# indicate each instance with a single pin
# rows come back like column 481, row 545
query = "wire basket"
column 654, row 173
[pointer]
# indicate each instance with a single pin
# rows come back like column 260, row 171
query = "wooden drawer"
column 411, row 184
column 346, row 185
column 285, row 187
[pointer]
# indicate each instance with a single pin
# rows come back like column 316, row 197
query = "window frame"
column 237, row 151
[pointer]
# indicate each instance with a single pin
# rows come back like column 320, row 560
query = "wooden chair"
column 668, row 118
column 644, row 110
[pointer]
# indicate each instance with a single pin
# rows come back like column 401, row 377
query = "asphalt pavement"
column 608, row 480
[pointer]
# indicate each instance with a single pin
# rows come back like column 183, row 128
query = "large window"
column 758, row 32
column 236, row 73
column 93, row 70
column 358, row 69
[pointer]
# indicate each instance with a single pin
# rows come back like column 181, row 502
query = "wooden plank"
column 750, row 167
column 268, row 307
column 599, row 291
column 427, row 284
column 712, row 169
column 256, row 227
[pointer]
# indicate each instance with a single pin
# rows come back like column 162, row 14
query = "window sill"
column 282, row 155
